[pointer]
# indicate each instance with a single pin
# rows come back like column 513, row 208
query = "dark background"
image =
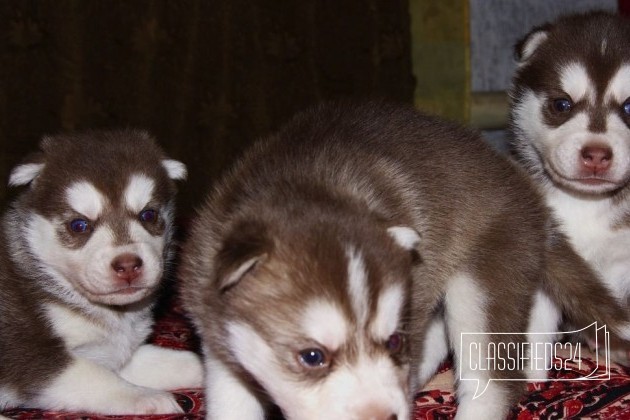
column 206, row 78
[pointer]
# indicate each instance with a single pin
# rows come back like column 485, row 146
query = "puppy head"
column 571, row 102
column 99, row 212
column 316, row 315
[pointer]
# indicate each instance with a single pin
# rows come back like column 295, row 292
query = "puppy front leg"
column 544, row 320
column 228, row 398
column 465, row 312
column 162, row 368
column 434, row 349
column 87, row 386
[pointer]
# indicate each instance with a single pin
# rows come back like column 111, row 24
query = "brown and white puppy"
column 83, row 251
column 331, row 266
column 571, row 120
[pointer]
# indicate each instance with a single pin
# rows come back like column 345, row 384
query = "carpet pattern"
column 562, row 399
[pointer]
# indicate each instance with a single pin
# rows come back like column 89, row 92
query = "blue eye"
column 562, row 105
column 312, row 358
column 148, row 216
column 626, row 107
column 394, row 343
column 79, row 225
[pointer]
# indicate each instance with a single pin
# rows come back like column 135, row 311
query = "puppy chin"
column 584, row 184
column 590, row 186
column 119, row 297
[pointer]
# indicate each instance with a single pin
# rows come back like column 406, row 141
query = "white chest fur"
column 590, row 225
column 107, row 338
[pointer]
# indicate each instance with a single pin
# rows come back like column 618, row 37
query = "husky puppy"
column 83, row 252
column 322, row 260
column 570, row 114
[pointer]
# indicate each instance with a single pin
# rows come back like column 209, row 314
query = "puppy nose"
column 596, row 157
column 127, row 267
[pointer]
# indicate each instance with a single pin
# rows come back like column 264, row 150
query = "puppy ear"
column 404, row 236
column 27, row 171
column 175, row 169
column 526, row 47
column 246, row 246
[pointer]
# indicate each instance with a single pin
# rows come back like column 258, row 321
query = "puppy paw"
column 86, row 386
column 151, row 402
column 163, row 368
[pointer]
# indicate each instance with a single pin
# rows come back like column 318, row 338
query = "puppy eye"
column 394, row 343
column 79, row 225
column 148, row 216
column 626, row 107
column 562, row 105
column 313, row 358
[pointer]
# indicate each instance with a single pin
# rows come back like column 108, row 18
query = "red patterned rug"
column 607, row 399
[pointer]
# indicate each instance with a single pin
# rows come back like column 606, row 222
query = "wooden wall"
column 206, row 77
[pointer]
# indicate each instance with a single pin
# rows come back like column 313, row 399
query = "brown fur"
column 92, row 155
column 576, row 38
column 30, row 353
column 345, row 171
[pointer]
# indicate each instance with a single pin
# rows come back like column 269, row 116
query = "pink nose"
column 127, row 267
column 596, row 158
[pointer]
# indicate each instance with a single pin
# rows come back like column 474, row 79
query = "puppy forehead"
column 325, row 323
column 84, row 198
column 139, row 192
column 618, row 88
column 575, row 81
